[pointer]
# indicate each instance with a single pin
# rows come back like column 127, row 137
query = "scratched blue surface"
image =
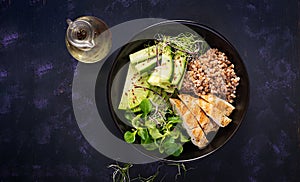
column 39, row 137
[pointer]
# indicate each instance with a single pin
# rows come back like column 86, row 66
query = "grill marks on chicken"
column 203, row 120
column 202, row 116
column 190, row 123
column 219, row 103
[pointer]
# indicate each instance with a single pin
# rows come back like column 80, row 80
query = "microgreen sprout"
column 120, row 174
column 185, row 42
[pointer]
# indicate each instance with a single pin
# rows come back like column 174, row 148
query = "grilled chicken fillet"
column 203, row 120
column 217, row 115
column 190, row 123
column 219, row 103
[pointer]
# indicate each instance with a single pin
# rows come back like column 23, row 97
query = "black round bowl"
column 113, row 74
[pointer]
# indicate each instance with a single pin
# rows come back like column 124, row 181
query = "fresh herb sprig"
column 122, row 173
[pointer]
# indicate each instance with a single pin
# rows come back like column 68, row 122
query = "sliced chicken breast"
column 214, row 113
column 190, row 124
column 198, row 138
column 203, row 120
column 219, row 103
column 186, row 115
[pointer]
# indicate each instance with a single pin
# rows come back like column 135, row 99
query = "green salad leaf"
column 171, row 147
column 130, row 136
column 150, row 124
column 154, row 132
column 175, row 133
column 183, row 138
column 150, row 145
column 136, row 121
column 143, row 133
column 146, row 106
column 174, row 119
column 178, row 151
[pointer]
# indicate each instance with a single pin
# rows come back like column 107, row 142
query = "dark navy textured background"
column 40, row 139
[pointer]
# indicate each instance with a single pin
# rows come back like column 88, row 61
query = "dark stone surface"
column 39, row 137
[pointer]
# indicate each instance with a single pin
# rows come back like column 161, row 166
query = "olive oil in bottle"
column 88, row 39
